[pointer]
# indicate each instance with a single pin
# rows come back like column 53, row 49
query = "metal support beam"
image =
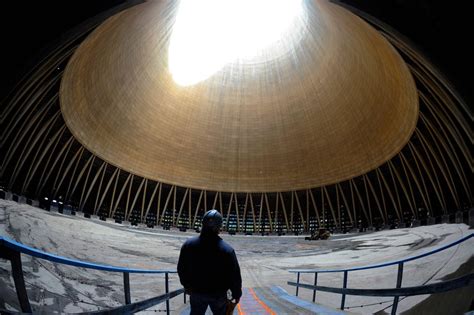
column 399, row 285
column 315, row 284
column 344, row 285
column 126, row 287
column 18, row 279
column 167, row 290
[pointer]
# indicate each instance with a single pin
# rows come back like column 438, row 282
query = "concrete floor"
column 264, row 261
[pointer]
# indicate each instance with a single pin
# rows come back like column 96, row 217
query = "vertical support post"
column 315, row 283
column 17, row 273
column 399, row 285
column 184, row 297
column 126, row 287
column 167, row 290
column 297, row 283
column 344, row 285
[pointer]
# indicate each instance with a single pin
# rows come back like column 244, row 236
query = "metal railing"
column 397, row 292
column 12, row 250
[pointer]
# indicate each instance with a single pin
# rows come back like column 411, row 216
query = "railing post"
column 167, row 290
column 17, row 273
column 315, row 283
column 297, row 283
column 399, row 285
column 126, row 287
column 344, row 285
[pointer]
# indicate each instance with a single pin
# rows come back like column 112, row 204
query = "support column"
column 17, row 273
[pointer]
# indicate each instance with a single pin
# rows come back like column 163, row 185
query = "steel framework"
column 430, row 177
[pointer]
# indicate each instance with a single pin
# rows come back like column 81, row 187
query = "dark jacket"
column 208, row 265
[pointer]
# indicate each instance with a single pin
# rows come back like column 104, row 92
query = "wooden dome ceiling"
column 329, row 102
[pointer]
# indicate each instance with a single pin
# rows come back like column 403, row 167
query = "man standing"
column 208, row 267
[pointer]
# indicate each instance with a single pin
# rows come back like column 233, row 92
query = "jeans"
column 200, row 301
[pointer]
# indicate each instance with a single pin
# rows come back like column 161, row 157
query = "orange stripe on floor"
column 239, row 310
column 265, row 306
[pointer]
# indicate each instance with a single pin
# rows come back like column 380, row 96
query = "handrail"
column 120, row 310
column 72, row 262
column 138, row 306
column 438, row 287
column 12, row 250
column 386, row 264
column 397, row 292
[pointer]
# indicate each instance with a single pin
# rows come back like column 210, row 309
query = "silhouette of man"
column 208, row 268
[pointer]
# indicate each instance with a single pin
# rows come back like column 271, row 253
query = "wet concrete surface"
column 264, row 261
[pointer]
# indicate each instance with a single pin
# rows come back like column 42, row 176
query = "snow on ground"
column 264, row 260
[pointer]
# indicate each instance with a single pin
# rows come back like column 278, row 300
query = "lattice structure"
column 429, row 177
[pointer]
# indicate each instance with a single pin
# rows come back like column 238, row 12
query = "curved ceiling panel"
column 327, row 99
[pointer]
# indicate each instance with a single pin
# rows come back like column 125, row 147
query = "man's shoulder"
column 191, row 241
column 225, row 246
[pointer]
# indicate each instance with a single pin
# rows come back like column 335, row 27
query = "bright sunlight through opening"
column 208, row 34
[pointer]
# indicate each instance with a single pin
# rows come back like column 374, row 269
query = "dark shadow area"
column 449, row 303
column 438, row 29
